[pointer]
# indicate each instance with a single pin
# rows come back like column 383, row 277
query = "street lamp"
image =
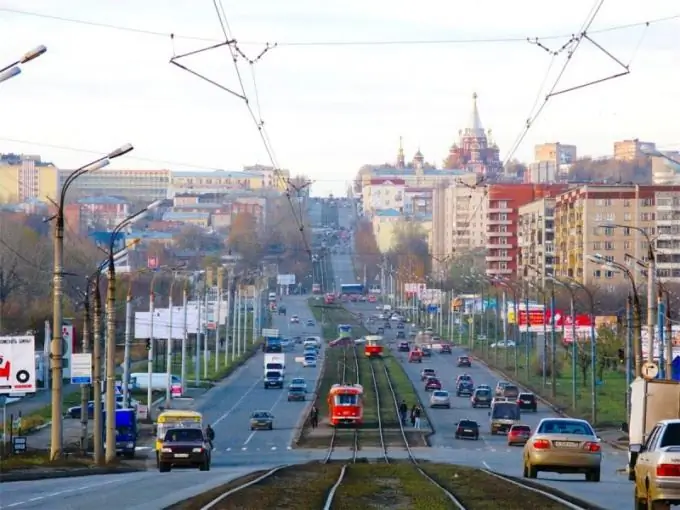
column 56, row 351
column 26, row 57
column 111, row 332
column 9, row 73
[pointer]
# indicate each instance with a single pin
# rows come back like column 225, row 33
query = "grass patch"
column 611, row 391
column 403, row 386
column 41, row 460
column 298, row 487
column 478, row 490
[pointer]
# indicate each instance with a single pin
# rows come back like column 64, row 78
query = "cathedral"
column 475, row 151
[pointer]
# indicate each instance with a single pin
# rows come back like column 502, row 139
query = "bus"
column 351, row 288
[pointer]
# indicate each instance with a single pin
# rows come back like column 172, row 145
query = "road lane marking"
column 61, row 493
column 252, row 434
column 238, row 402
column 486, row 465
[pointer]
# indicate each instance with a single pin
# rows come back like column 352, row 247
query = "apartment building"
column 384, row 193
column 135, row 185
column 536, row 239
column 616, row 222
column 458, row 221
column 25, row 177
column 556, row 152
column 502, row 222
column 628, row 150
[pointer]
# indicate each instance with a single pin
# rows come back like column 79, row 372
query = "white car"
column 503, row 345
column 440, row 398
column 309, row 362
column 294, row 319
column 396, row 317
column 298, row 382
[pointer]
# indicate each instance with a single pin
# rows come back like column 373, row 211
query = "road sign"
column 17, row 364
column 81, row 368
column 650, row 370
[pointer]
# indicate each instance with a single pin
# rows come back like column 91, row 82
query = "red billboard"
column 536, row 319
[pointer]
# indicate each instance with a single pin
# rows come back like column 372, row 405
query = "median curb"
column 550, row 405
column 300, row 425
column 71, row 473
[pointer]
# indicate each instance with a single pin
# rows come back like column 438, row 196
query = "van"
column 272, row 296
column 159, row 381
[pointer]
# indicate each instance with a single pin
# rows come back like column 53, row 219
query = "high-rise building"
column 26, row 177
column 536, row 239
column 556, row 152
column 135, row 185
column 504, row 201
column 616, row 223
column 629, row 150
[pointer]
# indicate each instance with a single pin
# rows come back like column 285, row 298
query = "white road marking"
column 273, row 447
column 238, row 402
column 252, row 434
column 486, row 465
column 61, row 493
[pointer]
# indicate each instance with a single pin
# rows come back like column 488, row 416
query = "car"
column 309, row 362
column 372, row 299
column 184, row 447
column 464, row 389
column 440, row 398
column 511, row 392
column 519, row 434
column 432, row 383
column 481, row 397
column 527, row 400
column 396, row 318
column 415, row 356
column 294, row 319
column 298, row 382
column 261, row 420
column 464, row 361
column 427, row 351
column 296, row 393
column 310, row 323
column 467, row 429
column 401, row 335
column 446, row 349
column 463, row 377
column 564, row 446
column 403, row 347
column 483, row 386
column 429, row 330
column 282, row 310
column 499, row 387
column 427, row 372
column 400, row 325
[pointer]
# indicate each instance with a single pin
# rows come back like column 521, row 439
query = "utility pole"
column 128, row 346
column 220, row 282
column 97, row 432
column 228, row 318
column 168, row 350
column 56, row 351
column 197, row 359
column 651, row 302
column 206, row 350
column 234, row 338
column 185, row 336
column 111, row 361
column 149, row 361
column 85, row 388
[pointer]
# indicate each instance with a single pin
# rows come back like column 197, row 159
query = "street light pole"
column 13, row 69
column 97, row 432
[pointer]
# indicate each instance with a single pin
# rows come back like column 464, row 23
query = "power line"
column 327, row 43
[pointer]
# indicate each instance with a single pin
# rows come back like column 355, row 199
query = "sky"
column 327, row 108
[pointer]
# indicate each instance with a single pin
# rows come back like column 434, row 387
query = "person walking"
column 416, row 415
column 210, row 434
column 413, row 416
column 403, row 411
column 314, row 417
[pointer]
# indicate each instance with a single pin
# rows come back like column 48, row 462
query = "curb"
column 29, row 477
column 300, row 425
column 545, row 402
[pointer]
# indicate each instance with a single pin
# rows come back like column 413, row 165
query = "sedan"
column 261, row 420
column 433, row 383
column 403, row 347
column 295, row 319
column 464, row 361
column 565, row 446
column 519, row 435
column 467, row 429
column 400, row 325
column 297, row 393
column 427, row 372
column 310, row 323
column 309, row 362
column 298, row 382
column 440, row 398
column 446, row 349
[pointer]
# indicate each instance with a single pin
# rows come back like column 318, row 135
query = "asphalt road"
column 343, row 270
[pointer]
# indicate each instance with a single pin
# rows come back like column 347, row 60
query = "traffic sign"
column 650, row 370
column 81, row 368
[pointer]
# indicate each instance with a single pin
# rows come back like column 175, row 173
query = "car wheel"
column 535, row 410
column 456, row 436
column 525, row 471
column 533, row 472
column 271, row 426
column 164, row 467
column 593, row 475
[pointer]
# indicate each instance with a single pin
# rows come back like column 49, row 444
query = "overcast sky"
column 328, row 109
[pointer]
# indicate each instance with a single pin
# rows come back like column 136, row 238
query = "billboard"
column 161, row 323
column 285, row 279
column 17, row 364
column 536, row 320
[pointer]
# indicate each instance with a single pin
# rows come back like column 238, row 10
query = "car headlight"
column 131, row 445
column 166, row 450
column 197, row 450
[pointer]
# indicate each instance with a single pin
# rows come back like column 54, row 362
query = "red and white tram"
column 373, row 347
column 345, row 404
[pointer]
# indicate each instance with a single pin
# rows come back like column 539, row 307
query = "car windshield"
column 260, row 415
column 441, row 394
column 432, row 380
column 301, row 382
column 467, row 423
column 464, row 377
column 576, row 427
column 526, row 396
column 183, row 435
column 521, row 428
column 273, row 374
column 505, row 411
column 428, row 371
column 483, row 393
column 671, row 436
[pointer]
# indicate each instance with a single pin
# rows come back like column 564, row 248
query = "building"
column 103, row 212
column 385, row 222
column 417, row 201
column 502, row 221
column 274, row 179
column 384, row 193
column 629, row 150
column 219, row 181
column 475, row 150
column 25, row 177
column 582, row 216
column 556, row 152
column 134, row 185
column 458, row 220
column 666, row 170
column 200, row 219
column 536, row 239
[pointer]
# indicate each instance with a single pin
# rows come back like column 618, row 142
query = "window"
column 608, row 245
column 598, row 217
column 597, row 245
column 627, row 216
column 599, row 202
column 646, row 202
column 610, row 216
column 597, row 273
column 626, row 203
column 608, row 231
column 626, row 245
column 609, row 274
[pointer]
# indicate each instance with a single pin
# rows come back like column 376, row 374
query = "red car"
column 519, row 434
column 446, row 349
column 432, row 384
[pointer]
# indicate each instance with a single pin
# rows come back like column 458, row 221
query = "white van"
column 159, row 381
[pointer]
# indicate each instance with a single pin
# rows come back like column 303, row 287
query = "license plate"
column 566, row 444
column 467, row 430
column 181, row 455
column 526, row 401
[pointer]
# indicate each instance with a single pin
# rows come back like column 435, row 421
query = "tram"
column 345, row 404
column 373, row 347
column 344, row 330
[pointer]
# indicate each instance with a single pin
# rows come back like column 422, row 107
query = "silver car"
column 440, row 398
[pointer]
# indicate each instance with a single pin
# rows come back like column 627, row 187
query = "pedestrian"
column 210, row 435
column 403, row 411
column 416, row 415
column 413, row 416
column 314, row 417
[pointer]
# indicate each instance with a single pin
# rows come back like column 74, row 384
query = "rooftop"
column 184, row 216
column 102, row 200
column 217, row 174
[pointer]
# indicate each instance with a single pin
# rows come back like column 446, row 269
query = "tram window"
column 346, row 400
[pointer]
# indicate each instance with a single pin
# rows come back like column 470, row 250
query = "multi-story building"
column 385, row 223
column 134, row 185
column 616, row 223
column 384, row 193
column 629, row 150
column 536, row 239
column 26, row 177
column 458, row 221
column 504, row 201
column 666, row 170
column 556, row 152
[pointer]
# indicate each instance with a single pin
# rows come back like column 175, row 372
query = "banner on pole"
column 17, row 364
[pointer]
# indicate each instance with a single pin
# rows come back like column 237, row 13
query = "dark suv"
column 184, row 448
column 527, row 401
column 403, row 347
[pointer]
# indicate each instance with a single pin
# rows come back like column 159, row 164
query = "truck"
column 650, row 402
column 126, row 432
column 274, row 370
column 272, row 340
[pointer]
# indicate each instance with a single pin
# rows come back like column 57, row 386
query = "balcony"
column 492, row 221
column 505, row 210
column 498, row 258
column 493, row 271
column 493, row 233
column 498, row 245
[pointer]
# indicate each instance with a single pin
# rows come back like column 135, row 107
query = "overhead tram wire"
column 301, row 44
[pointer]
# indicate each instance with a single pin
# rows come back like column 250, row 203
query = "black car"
column 467, row 429
column 400, row 325
column 401, row 335
column 527, row 401
column 464, row 361
column 282, row 310
column 427, row 352
column 403, row 347
column 464, row 389
column 184, row 448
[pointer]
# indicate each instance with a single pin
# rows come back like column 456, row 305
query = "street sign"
column 650, row 370
column 17, row 364
column 81, row 368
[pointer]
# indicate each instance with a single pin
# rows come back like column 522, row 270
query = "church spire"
column 401, row 160
column 474, row 127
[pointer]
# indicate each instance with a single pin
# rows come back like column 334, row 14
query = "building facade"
column 134, row 185
column 536, row 239
column 384, row 193
column 26, row 177
column 666, row 170
column 629, row 150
